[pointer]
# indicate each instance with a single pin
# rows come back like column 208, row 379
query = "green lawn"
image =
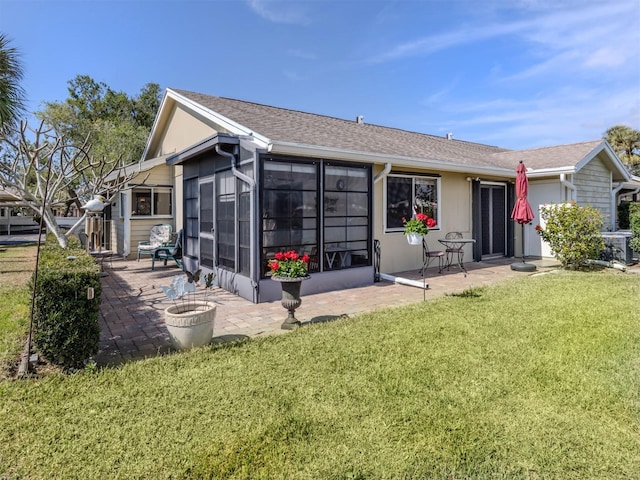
column 536, row 378
column 16, row 265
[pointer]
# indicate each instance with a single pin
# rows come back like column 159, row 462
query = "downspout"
column 385, row 171
column 569, row 185
column 614, row 205
column 246, row 179
column 382, row 174
column 252, row 185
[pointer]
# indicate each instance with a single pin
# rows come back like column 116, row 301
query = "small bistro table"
column 454, row 247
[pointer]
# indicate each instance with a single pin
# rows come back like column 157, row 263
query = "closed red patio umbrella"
column 522, row 212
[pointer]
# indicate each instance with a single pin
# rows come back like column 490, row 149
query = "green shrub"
column 66, row 330
column 634, row 223
column 573, row 232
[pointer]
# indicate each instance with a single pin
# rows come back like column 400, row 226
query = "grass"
column 16, row 266
column 537, row 378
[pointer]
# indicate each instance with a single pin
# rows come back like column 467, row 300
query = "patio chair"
column 169, row 252
column 454, row 248
column 314, row 262
column 429, row 255
column 160, row 234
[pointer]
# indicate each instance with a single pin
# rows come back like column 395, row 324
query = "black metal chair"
column 429, row 255
column 454, row 249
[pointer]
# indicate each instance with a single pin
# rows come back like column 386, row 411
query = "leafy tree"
column 573, row 232
column 625, row 141
column 118, row 125
column 12, row 97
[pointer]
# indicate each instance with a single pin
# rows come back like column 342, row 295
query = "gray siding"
column 593, row 184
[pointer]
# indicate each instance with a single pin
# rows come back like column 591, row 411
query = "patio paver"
column 132, row 311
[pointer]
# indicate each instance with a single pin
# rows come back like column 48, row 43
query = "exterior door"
column 206, row 224
column 493, row 200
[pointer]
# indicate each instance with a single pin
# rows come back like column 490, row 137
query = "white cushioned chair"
column 159, row 235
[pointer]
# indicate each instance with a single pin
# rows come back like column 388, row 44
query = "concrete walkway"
column 132, row 312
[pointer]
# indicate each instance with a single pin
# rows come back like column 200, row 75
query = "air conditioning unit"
column 620, row 242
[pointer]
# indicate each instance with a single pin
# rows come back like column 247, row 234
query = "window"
column 123, row 204
column 156, row 201
column 319, row 208
column 409, row 193
column 289, row 209
column 346, row 216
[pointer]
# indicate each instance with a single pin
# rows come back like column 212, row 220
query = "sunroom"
column 242, row 204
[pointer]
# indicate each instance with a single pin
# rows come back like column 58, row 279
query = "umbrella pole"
column 523, row 267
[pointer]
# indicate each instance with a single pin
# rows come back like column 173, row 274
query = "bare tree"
column 44, row 170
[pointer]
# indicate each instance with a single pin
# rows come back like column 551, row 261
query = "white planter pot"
column 192, row 327
column 414, row 239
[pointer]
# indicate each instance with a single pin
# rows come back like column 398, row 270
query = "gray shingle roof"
column 284, row 125
column 280, row 124
column 550, row 157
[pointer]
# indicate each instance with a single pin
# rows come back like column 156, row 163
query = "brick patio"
column 132, row 312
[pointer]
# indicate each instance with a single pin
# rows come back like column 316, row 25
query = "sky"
column 510, row 73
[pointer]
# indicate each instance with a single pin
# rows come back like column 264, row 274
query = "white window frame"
column 413, row 177
column 152, row 191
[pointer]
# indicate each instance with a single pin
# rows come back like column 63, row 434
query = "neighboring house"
column 247, row 180
column 149, row 199
column 14, row 217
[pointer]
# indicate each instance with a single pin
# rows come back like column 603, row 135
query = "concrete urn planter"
column 190, row 325
column 290, row 299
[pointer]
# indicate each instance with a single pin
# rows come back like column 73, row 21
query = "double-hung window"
column 152, row 202
column 407, row 194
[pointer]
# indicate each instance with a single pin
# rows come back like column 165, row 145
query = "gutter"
column 566, row 183
column 304, row 150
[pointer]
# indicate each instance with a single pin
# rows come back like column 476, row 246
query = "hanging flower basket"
column 414, row 239
column 417, row 227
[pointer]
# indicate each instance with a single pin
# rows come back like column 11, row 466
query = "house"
column 14, row 217
column 245, row 180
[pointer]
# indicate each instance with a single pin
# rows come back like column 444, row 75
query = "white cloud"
column 305, row 55
column 605, row 57
column 277, row 11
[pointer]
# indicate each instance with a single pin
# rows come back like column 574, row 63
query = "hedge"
column 66, row 330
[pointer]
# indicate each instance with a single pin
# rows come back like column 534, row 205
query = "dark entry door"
column 494, row 219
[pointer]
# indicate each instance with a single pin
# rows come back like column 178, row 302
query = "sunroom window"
column 150, row 202
column 409, row 194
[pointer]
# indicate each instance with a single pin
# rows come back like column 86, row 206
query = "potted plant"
column 417, row 227
column 190, row 319
column 290, row 269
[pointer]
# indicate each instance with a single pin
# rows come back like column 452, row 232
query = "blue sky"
column 512, row 73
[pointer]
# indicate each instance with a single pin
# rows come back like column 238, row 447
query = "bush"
column 573, row 232
column 634, row 223
column 66, row 330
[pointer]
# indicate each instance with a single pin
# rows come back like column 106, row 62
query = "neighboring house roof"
column 291, row 131
column 139, row 167
column 8, row 196
column 567, row 159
